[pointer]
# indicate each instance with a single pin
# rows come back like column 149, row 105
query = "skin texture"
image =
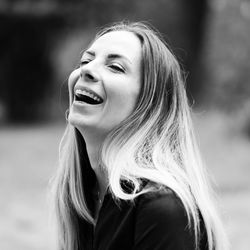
column 111, row 67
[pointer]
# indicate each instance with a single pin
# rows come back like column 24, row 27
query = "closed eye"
column 83, row 62
column 117, row 67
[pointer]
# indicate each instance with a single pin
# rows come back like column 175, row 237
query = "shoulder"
column 162, row 222
column 162, row 206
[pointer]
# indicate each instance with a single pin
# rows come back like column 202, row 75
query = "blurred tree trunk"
column 25, row 68
column 197, row 16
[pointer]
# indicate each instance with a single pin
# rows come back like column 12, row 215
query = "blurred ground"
column 28, row 158
column 226, row 153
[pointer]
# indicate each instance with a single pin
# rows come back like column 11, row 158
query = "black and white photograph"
column 124, row 125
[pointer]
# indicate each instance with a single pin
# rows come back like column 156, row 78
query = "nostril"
column 89, row 76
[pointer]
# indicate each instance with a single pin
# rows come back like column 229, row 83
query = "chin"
column 91, row 124
column 76, row 120
column 84, row 124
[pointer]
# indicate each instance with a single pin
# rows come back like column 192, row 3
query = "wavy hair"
column 156, row 142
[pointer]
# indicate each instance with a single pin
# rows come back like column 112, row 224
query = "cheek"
column 123, row 98
column 71, row 83
column 131, row 93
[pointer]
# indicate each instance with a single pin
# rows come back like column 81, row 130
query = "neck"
column 93, row 142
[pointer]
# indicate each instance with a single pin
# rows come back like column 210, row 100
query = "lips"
column 86, row 95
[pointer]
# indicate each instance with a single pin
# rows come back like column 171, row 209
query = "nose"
column 88, row 74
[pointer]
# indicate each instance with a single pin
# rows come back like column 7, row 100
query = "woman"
column 130, row 175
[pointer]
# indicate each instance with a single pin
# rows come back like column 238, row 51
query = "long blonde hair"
column 156, row 142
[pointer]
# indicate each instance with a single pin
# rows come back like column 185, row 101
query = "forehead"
column 122, row 42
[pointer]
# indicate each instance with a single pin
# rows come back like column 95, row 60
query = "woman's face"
column 104, row 90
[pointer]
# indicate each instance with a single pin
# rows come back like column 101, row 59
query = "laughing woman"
column 130, row 174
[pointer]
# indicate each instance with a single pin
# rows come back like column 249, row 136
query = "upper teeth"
column 85, row 92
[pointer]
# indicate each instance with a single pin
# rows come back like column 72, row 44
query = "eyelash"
column 114, row 67
column 84, row 62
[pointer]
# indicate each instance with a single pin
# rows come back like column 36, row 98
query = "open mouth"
column 87, row 97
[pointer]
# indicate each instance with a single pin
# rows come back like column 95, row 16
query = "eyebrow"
column 110, row 56
column 91, row 53
column 118, row 56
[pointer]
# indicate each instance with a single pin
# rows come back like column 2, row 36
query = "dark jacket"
column 154, row 221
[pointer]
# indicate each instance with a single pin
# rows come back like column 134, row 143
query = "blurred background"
column 41, row 42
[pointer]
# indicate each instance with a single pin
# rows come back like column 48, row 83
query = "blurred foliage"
column 42, row 41
column 29, row 28
column 227, row 54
